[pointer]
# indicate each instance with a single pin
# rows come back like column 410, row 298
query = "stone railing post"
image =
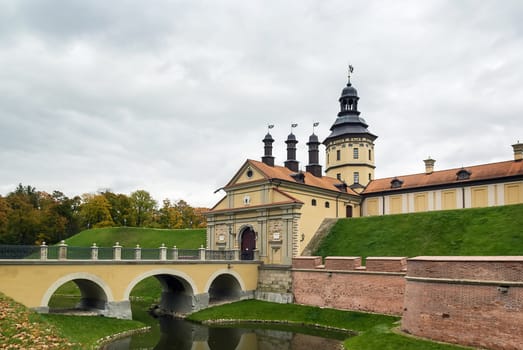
column 175, row 253
column 137, row 252
column 256, row 255
column 94, row 252
column 43, row 251
column 117, row 251
column 62, row 251
column 202, row 253
column 163, row 252
column 236, row 254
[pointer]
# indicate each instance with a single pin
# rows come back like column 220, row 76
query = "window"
column 396, row 183
column 338, row 176
column 370, row 177
column 327, row 205
column 356, row 177
column 356, row 153
column 313, row 202
column 370, row 154
column 338, row 155
column 463, row 174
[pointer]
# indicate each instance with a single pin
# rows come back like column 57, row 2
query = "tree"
column 95, row 211
column 121, row 208
column 24, row 217
column 143, row 206
column 4, row 219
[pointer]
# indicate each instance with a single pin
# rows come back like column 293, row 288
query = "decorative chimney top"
column 518, row 151
column 429, row 165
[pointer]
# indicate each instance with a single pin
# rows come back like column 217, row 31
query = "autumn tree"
column 95, row 211
column 4, row 219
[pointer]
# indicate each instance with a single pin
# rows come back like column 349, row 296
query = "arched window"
column 313, row 202
column 327, row 205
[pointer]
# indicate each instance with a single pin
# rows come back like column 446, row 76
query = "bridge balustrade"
column 64, row 252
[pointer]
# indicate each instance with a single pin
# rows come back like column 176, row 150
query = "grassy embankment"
column 129, row 237
column 25, row 329
column 374, row 331
column 481, row 231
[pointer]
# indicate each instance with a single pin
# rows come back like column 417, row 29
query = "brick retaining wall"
column 475, row 301
column 343, row 284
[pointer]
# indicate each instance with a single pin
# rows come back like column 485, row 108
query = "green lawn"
column 146, row 237
column 482, row 231
column 374, row 331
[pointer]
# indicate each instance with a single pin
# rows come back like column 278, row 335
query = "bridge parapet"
column 62, row 252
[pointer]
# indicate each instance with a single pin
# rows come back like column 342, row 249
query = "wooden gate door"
column 248, row 244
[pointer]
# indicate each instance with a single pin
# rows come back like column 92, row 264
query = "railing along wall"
column 62, row 251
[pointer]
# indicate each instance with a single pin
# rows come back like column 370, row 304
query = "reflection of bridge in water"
column 190, row 279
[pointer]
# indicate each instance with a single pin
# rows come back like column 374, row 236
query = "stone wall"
column 275, row 284
column 475, row 301
column 343, row 283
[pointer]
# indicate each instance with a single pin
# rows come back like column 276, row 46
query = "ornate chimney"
column 291, row 163
column 313, row 167
column 268, row 158
column 518, row 151
column 429, row 166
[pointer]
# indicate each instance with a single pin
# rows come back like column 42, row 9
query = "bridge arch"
column 225, row 284
column 95, row 293
column 178, row 290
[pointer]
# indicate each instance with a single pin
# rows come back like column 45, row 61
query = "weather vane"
column 314, row 126
column 351, row 69
column 269, row 127
column 293, row 126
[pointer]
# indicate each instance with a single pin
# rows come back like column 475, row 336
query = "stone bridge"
column 187, row 284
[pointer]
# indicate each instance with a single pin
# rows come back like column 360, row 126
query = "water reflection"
column 182, row 335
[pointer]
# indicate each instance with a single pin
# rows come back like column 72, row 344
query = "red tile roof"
column 482, row 172
column 283, row 173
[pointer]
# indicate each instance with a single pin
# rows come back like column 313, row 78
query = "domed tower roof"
column 349, row 121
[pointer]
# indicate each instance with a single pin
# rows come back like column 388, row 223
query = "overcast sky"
column 173, row 96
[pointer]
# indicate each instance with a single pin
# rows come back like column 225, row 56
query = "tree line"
column 28, row 216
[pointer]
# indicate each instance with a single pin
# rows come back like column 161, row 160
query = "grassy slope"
column 145, row 237
column 24, row 329
column 483, row 231
column 374, row 331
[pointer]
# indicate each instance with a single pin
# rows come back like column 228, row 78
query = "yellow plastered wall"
column 513, row 193
column 312, row 216
column 395, row 205
column 420, row 202
column 479, row 196
column 448, row 199
column 347, row 164
column 372, row 206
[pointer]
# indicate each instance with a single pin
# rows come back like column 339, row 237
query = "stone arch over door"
column 247, row 243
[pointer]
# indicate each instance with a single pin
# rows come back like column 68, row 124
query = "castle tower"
column 350, row 146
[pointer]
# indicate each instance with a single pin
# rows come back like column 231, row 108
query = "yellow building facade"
column 272, row 212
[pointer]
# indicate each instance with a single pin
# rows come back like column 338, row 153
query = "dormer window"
column 396, row 183
column 463, row 174
column 299, row 177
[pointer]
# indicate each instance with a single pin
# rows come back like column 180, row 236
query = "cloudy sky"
column 173, row 96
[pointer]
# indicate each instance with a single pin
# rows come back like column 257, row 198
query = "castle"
column 272, row 212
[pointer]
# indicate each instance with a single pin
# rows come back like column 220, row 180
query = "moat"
column 170, row 333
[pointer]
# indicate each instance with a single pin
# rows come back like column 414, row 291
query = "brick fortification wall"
column 343, row 283
column 475, row 301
